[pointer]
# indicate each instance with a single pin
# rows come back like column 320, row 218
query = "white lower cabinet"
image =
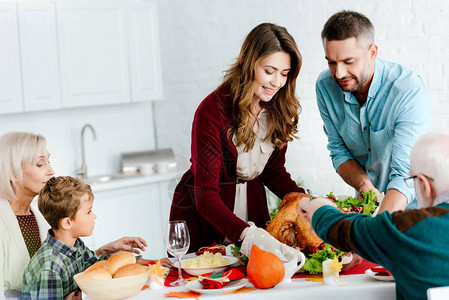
column 132, row 211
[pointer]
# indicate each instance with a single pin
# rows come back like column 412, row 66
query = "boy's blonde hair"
column 60, row 198
column 17, row 150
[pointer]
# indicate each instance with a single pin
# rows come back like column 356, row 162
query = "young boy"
column 66, row 204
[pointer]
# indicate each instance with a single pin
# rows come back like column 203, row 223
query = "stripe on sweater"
column 339, row 236
column 407, row 219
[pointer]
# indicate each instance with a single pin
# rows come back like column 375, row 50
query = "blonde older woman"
column 24, row 170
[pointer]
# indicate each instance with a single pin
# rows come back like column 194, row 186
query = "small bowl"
column 200, row 271
column 112, row 289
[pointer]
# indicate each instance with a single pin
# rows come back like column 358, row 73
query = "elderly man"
column 411, row 244
column 373, row 111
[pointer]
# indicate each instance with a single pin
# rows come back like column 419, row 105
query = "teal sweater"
column 413, row 244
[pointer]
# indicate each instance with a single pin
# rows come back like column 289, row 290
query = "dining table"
column 358, row 286
column 354, row 284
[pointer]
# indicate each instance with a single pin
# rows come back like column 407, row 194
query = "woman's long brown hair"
column 283, row 109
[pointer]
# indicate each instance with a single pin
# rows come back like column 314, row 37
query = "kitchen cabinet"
column 109, row 52
column 146, row 79
column 76, row 53
column 39, row 55
column 94, row 58
column 10, row 76
column 140, row 210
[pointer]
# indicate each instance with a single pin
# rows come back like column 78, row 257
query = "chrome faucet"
column 82, row 172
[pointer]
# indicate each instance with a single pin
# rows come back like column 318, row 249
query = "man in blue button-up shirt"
column 373, row 111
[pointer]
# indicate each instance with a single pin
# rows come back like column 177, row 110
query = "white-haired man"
column 412, row 244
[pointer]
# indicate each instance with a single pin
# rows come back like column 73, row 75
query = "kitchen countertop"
column 129, row 181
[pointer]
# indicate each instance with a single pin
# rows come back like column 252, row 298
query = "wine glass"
column 177, row 242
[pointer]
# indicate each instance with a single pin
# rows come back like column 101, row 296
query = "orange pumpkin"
column 264, row 269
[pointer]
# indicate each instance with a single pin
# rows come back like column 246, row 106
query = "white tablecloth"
column 352, row 287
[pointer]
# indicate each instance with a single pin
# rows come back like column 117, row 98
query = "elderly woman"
column 24, row 170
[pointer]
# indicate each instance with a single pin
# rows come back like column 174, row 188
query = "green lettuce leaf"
column 369, row 202
column 314, row 264
column 348, row 202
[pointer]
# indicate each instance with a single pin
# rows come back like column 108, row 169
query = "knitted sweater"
column 412, row 244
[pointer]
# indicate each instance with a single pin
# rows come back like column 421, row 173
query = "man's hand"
column 393, row 201
column 308, row 206
column 131, row 244
column 349, row 260
column 265, row 241
column 365, row 188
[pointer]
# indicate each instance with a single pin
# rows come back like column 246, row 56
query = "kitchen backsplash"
column 119, row 128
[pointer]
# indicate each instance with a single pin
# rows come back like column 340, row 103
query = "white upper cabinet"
column 75, row 53
column 146, row 71
column 10, row 77
column 38, row 45
column 93, row 46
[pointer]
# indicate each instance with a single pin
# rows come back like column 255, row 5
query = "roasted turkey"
column 290, row 228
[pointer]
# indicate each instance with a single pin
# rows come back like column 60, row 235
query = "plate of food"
column 290, row 228
column 234, row 285
column 379, row 273
column 206, row 263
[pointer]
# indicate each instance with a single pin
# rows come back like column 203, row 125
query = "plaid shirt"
column 49, row 274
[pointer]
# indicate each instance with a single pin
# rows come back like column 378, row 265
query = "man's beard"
column 358, row 82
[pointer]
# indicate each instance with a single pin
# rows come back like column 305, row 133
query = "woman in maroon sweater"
column 239, row 139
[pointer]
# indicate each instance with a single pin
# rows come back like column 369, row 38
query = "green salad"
column 316, row 256
column 367, row 206
column 314, row 260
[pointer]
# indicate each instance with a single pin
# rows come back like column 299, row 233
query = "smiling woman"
column 239, row 139
column 271, row 76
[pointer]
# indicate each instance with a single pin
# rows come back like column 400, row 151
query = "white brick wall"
column 200, row 38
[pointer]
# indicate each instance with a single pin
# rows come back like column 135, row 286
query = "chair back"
column 438, row 293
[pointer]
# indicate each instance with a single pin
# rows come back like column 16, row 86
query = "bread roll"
column 120, row 259
column 129, row 270
column 102, row 264
column 98, row 274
